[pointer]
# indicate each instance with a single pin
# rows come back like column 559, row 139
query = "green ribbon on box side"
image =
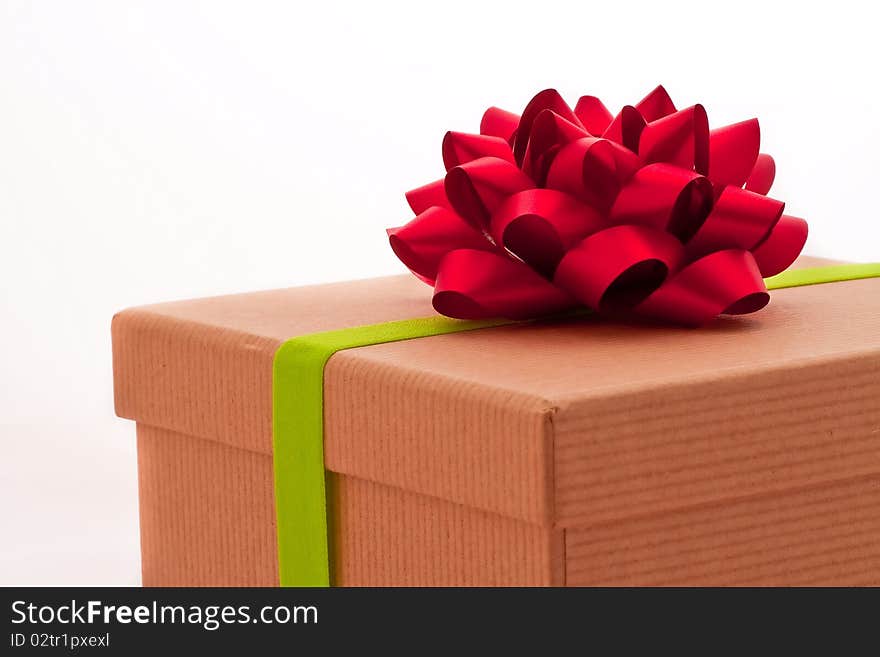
column 298, row 420
column 298, row 436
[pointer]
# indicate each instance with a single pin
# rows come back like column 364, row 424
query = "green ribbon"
column 298, row 436
column 818, row 275
column 298, row 420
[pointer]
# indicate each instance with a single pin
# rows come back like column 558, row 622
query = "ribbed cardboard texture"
column 563, row 453
column 829, row 535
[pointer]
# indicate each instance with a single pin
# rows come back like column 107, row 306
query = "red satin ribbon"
column 647, row 213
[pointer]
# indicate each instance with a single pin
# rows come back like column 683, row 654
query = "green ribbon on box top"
column 298, row 420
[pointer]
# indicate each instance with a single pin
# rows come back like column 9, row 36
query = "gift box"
column 574, row 450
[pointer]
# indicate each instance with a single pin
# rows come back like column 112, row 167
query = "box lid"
column 560, row 424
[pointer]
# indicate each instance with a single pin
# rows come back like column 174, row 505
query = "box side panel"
column 385, row 536
column 208, row 519
column 477, row 445
column 742, row 435
column 207, row 512
column 194, row 379
column 828, row 535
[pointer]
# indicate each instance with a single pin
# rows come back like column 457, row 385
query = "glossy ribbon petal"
column 549, row 133
column 740, row 219
column 656, row 104
column 460, row 147
column 724, row 282
column 764, row 172
column 427, row 196
column 646, row 213
column 480, row 285
column 614, row 269
column 667, row 197
column 549, row 99
column 782, row 246
column 476, row 189
column 423, row 242
column 626, row 128
column 593, row 170
column 733, row 151
column 499, row 123
column 680, row 138
column 540, row 225
column 593, row 115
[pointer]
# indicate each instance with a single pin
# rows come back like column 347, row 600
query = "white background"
column 162, row 150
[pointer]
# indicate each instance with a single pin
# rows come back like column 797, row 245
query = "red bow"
column 647, row 213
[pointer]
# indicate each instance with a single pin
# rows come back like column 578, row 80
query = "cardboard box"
column 576, row 452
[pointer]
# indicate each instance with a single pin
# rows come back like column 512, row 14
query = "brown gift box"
column 579, row 452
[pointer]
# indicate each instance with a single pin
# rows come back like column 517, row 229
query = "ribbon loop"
column 616, row 268
column 739, row 219
column 733, row 152
column 474, row 284
column 782, row 246
column 593, row 115
column 680, row 138
column 423, row 242
column 666, row 197
column 593, row 170
column 763, row 173
column 547, row 99
column 656, row 104
column 724, row 282
column 499, row 123
column 540, row 225
column 549, row 133
column 427, row 196
column 626, row 128
column 460, row 147
column 476, row 189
